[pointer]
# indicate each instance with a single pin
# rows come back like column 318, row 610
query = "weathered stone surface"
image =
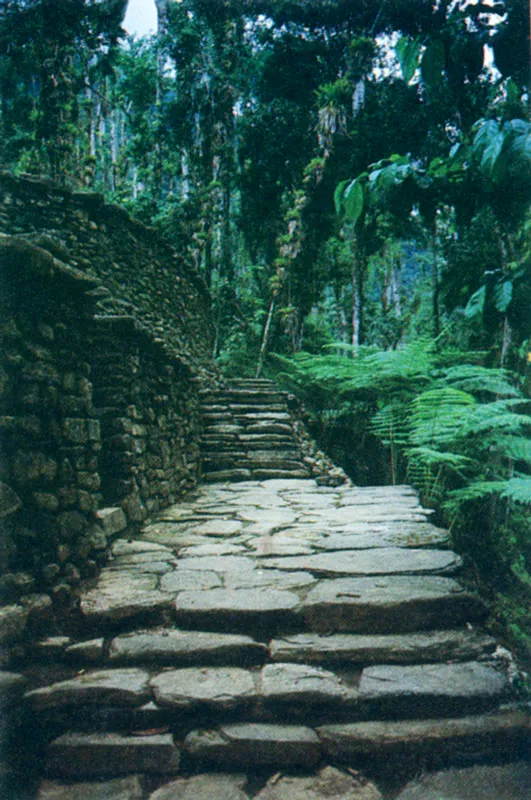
column 506, row 733
column 89, row 652
column 218, row 563
column 116, row 687
column 241, row 607
column 183, row 580
column 277, row 579
column 432, row 688
column 209, row 786
column 12, row 686
column 129, row 788
column 299, row 686
column 13, row 621
column 329, row 784
column 413, row 648
column 252, row 744
column 112, row 520
column 222, row 527
column 130, row 547
column 10, row 502
column 507, row 782
column 389, row 604
column 53, row 647
column 163, row 646
column 216, row 688
column 123, row 594
column 411, row 536
column 384, row 561
column 78, row 755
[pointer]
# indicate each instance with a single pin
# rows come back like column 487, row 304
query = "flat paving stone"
column 412, row 648
column 329, row 784
column 209, row 786
column 182, row 580
column 397, row 604
column 274, row 579
column 122, row 594
column 504, row 782
column 425, row 689
column 218, row 563
column 131, row 547
column 242, row 607
column 384, row 561
column 129, row 788
column 254, row 744
column 299, row 685
column 176, row 648
column 503, row 733
column 222, row 527
column 428, row 536
column 215, row 688
column 77, row 755
column 109, row 687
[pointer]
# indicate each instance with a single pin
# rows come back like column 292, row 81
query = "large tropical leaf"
column 503, row 294
column 407, row 51
column 354, row 200
column 432, row 64
column 476, row 304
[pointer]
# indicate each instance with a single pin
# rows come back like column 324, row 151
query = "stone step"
column 504, row 734
column 394, row 604
column 414, row 648
column 79, row 755
column 112, row 698
column 385, row 744
column 251, row 397
column 227, row 475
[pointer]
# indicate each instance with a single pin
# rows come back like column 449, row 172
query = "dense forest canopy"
column 353, row 176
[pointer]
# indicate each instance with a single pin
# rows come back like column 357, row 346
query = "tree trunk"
column 435, row 280
column 265, row 338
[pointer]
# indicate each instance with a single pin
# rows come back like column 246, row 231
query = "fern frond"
column 391, row 425
column 475, row 379
column 437, row 416
column 519, row 490
column 436, row 458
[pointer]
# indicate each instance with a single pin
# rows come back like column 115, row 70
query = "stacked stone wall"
column 99, row 428
column 140, row 274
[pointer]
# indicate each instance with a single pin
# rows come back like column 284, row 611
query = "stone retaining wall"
column 99, row 427
column 142, row 275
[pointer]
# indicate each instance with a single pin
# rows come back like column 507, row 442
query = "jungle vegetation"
column 353, row 183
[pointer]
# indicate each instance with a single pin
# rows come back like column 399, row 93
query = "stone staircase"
column 248, row 433
column 266, row 627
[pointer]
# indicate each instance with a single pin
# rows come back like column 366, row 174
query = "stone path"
column 262, row 627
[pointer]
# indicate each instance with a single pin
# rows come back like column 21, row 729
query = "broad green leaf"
column 432, row 64
column 476, row 304
column 485, row 131
column 354, row 201
column 338, row 196
column 491, row 156
column 407, row 51
column 503, row 294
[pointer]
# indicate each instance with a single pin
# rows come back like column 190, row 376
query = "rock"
column 53, row 647
column 123, row 594
column 508, row 782
column 209, row 786
column 251, row 744
column 10, row 502
column 429, row 689
column 215, row 688
column 90, row 652
column 179, row 648
column 412, row 648
column 13, row 621
column 182, row 580
column 243, row 608
column 116, row 687
column 218, row 563
column 12, row 685
column 269, row 578
column 384, row 561
column 297, row 687
column 329, row 784
column 78, row 755
column 396, row 604
column 129, row 788
column 440, row 741
column 112, row 520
